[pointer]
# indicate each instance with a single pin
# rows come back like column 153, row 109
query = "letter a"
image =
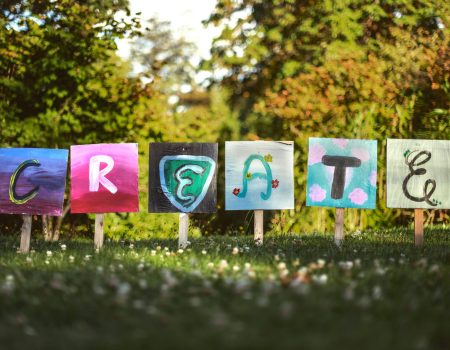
column 97, row 176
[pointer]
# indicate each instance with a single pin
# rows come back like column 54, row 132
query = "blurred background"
column 92, row 71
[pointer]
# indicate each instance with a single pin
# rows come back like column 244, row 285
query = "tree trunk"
column 45, row 230
column 58, row 223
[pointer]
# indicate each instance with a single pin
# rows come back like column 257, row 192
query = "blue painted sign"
column 342, row 173
column 259, row 175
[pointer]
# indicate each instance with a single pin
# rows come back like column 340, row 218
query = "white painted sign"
column 259, row 175
column 418, row 174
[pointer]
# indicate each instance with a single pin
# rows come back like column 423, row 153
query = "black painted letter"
column 340, row 163
column 427, row 191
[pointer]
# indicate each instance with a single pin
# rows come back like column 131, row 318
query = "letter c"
column 13, row 196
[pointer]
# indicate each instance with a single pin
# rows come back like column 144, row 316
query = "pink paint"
column 361, row 153
column 373, row 178
column 317, row 193
column 341, row 143
column 358, row 196
column 105, row 184
column 316, row 152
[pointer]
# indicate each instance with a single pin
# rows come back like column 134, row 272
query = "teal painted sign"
column 185, row 179
column 342, row 173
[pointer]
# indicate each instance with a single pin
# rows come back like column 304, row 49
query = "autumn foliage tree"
column 357, row 69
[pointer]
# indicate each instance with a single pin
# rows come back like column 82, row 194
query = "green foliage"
column 355, row 69
column 58, row 74
column 204, row 117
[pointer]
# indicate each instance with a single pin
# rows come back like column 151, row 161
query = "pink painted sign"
column 104, row 178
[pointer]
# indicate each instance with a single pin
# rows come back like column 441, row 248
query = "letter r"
column 97, row 176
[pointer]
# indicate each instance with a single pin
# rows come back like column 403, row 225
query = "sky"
column 185, row 17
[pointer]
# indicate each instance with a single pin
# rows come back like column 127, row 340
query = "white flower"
column 223, row 264
column 180, row 251
column 210, row 265
column 235, row 251
column 9, row 278
column 49, row 253
column 281, row 266
column 321, row 263
column 8, row 286
column 71, row 259
column 153, row 253
column 63, row 247
column 377, row 293
column 236, row 268
column 320, row 279
column 346, row 265
column 123, row 289
column 87, row 257
column 204, row 252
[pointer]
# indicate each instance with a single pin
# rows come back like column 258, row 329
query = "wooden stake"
column 183, row 230
column 99, row 223
column 418, row 227
column 339, row 226
column 259, row 227
column 25, row 234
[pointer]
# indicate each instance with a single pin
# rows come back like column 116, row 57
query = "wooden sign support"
column 259, row 227
column 339, row 226
column 418, row 227
column 183, row 230
column 26, row 234
column 99, row 236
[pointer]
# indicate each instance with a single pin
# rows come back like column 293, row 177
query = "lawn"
column 378, row 291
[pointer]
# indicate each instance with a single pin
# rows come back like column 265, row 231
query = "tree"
column 59, row 78
column 164, row 57
column 336, row 69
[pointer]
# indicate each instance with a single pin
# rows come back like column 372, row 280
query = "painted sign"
column 418, row 174
column 32, row 180
column 104, row 178
column 259, row 175
column 342, row 173
column 182, row 177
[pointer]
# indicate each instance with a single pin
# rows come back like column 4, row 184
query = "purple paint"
column 47, row 180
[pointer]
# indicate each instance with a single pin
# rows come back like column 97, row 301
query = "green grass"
column 300, row 292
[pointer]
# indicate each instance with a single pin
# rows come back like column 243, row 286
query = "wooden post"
column 99, row 223
column 259, row 227
column 183, row 230
column 25, row 234
column 339, row 226
column 418, row 227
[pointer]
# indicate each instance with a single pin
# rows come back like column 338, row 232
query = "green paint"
column 183, row 183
